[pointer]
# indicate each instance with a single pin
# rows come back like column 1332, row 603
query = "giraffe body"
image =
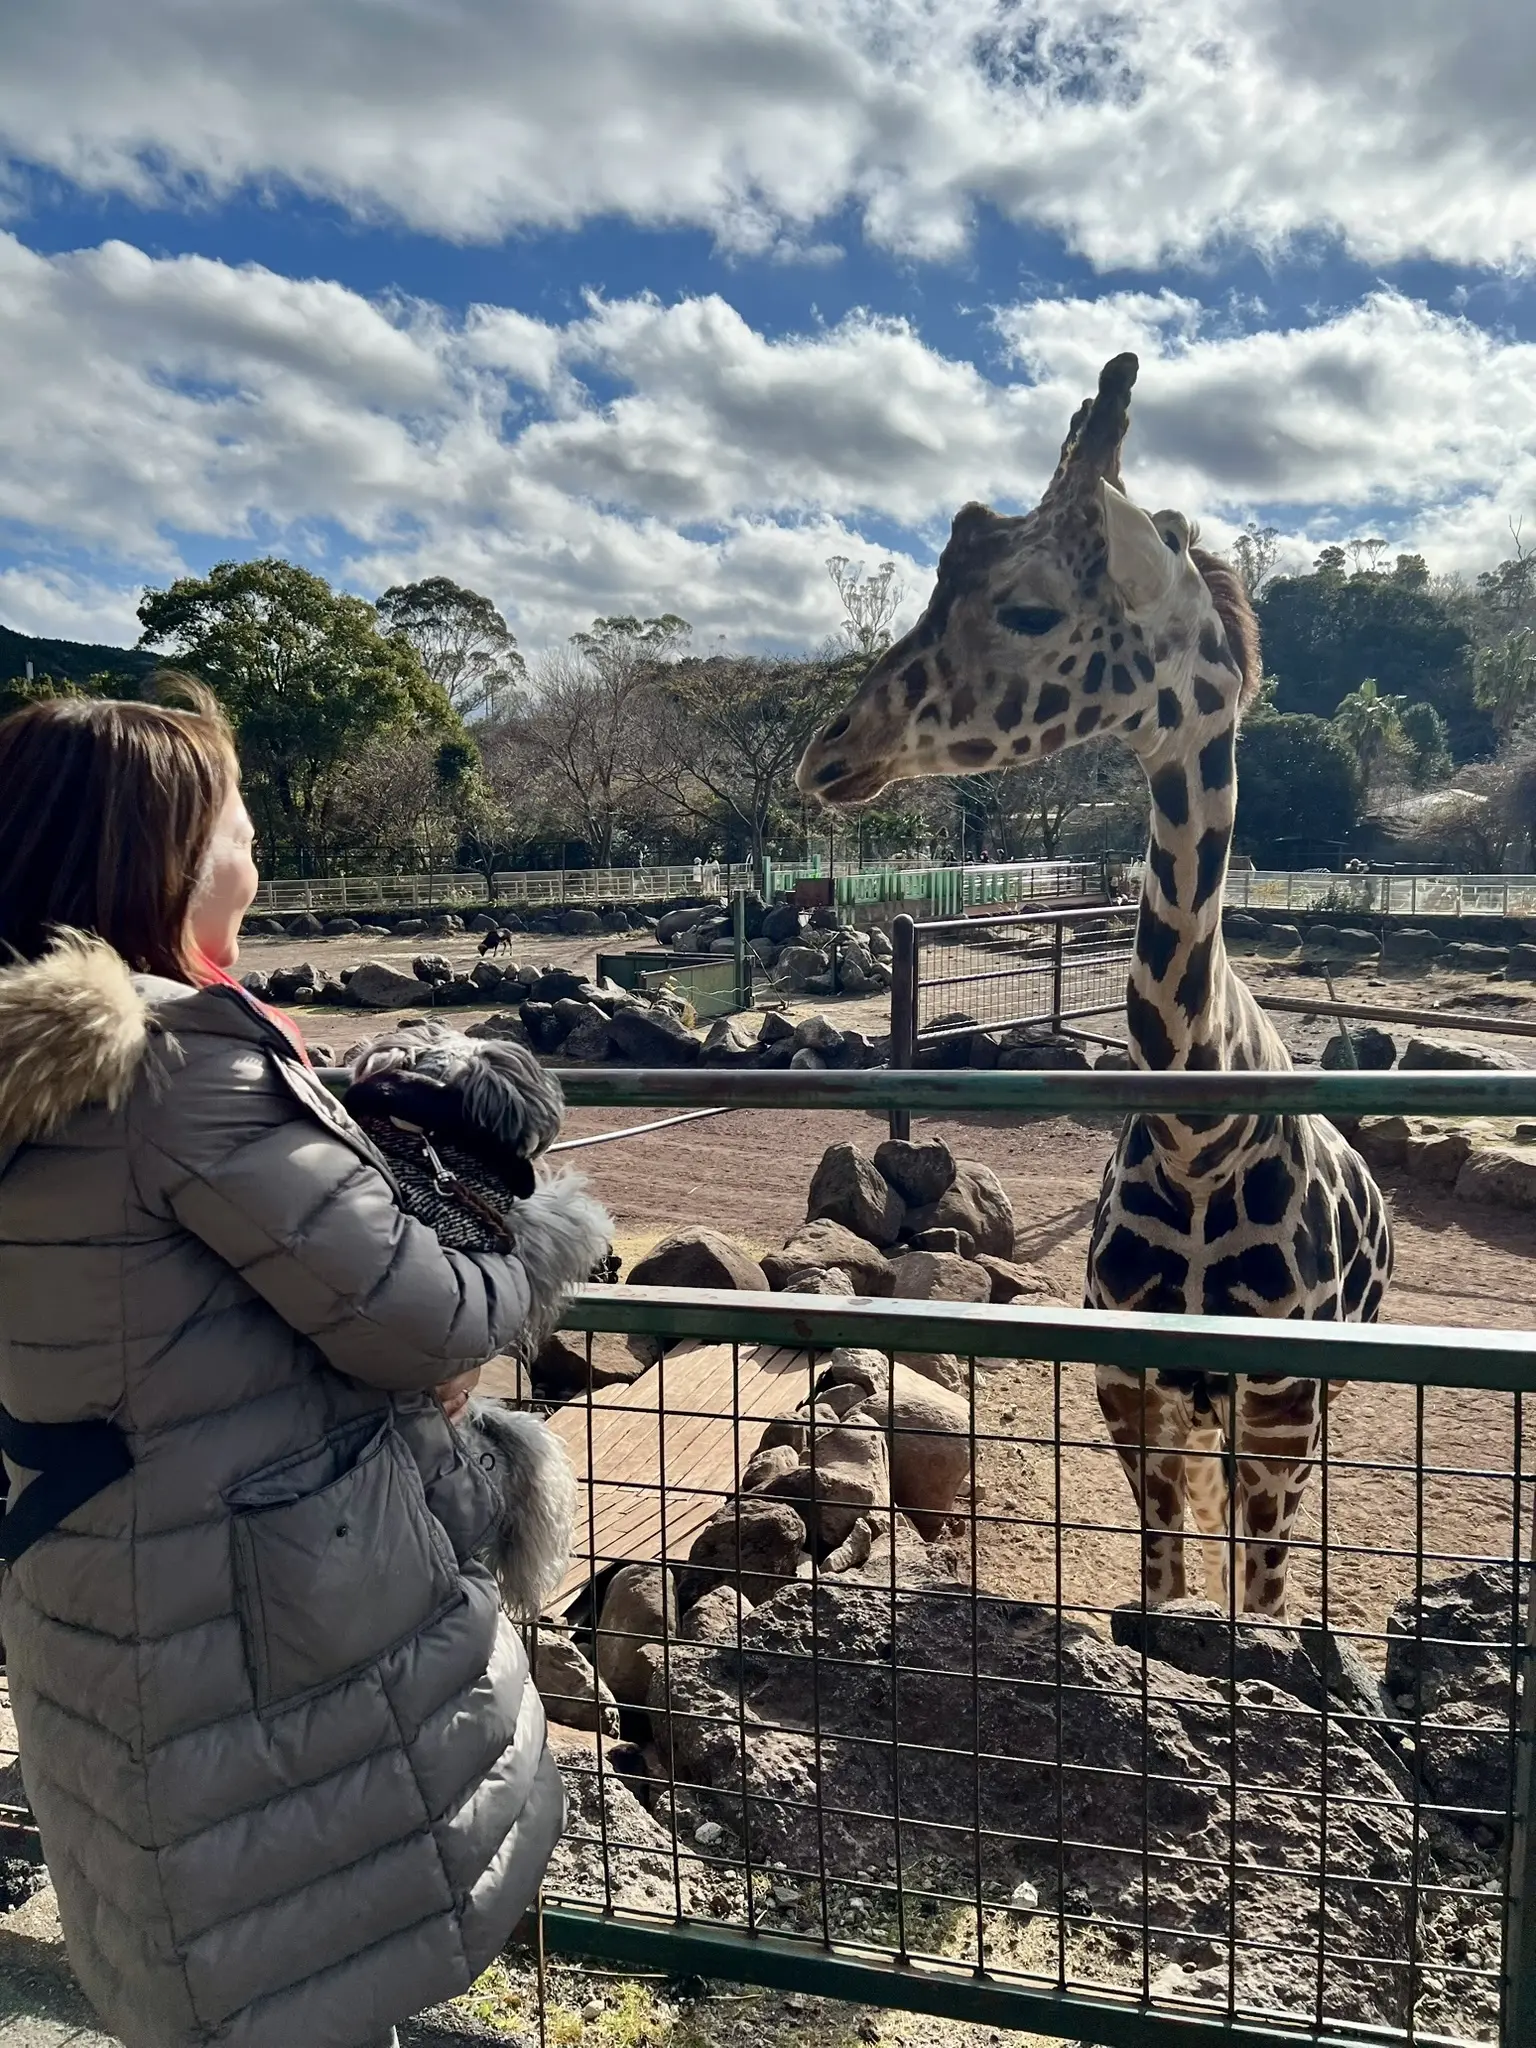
column 1088, row 618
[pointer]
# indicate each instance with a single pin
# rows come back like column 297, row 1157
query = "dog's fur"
column 501, row 1085
column 536, row 1493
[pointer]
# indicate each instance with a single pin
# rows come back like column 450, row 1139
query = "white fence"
column 341, row 893
column 1382, row 895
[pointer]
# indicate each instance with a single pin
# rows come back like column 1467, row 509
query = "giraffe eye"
column 1033, row 619
column 1171, row 539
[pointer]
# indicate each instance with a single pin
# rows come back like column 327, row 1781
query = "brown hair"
column 107, row 809
column 1235, row 610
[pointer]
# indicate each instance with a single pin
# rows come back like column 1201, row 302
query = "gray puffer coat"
column 282, row 1745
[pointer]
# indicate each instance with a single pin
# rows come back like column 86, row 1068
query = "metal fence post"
column 903, row 1010
column 1520, row 2011
column 739, row 947
column 1056, row 950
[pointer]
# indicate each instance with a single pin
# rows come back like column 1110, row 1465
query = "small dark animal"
column 495, row 942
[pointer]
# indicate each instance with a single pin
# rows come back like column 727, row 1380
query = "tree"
column 1254, row 552
column 399, row 801
column 736, row 727
column 1371, row 725
column 306, row 678
column 870, row 603
column 591, row 722
column 1293, row 771
column 1504, row 678
column 1429, row 755
column 464, row 643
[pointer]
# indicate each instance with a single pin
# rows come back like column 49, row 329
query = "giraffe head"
column 1084, row 617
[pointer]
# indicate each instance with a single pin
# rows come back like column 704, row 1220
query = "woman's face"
column 226, row 886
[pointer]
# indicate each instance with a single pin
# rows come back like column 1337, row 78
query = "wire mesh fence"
column 1029, row 969
column 866, row 1633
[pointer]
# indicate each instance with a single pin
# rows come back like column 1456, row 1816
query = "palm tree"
column 1372, row 726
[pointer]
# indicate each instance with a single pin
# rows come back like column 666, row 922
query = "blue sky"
column 655, row 304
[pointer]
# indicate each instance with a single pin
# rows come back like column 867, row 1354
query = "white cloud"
column 59, row 605
column 144, row 400
column 1138, row 131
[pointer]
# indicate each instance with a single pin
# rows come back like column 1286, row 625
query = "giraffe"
column 1088, row 617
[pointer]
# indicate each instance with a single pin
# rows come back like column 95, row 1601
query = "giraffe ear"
column 1140, row 565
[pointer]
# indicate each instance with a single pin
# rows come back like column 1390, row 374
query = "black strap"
column 73, row 1461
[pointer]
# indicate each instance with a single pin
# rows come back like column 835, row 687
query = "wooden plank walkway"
column 664, row 1453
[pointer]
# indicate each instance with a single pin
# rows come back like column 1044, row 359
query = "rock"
column 1354, row 944
column 639, row 1872
column 488, row 974
column 715, row 1617
column 818, row 1034
column 443, row 924
column 284, row 983
column 1499, row 1175
column 562, row 1371
column 483, row 922
column 1437, row 1157
column 928, row 1445
column 558, row 985
column 984, row 1053
column 639, row 1608
column 571, row 1690
column 698, row 1257
column 799, row 964
column 957, row 1241
column 1522, row 964
column 770, row 1462
column 409, row 927
column 305, row 926
column 1448, row 1660
column 756, row 1543
column 341, row 927
column 849, row 1190
column 1373, row 1049
column 920, row 1173
column 1021, row 1053
column 840, row 1477
column 1077, row 1755
column 879, row 943
column 257, row 985
column 1280, row 941
column 828, row 1244
column 1242, row 933
column 727, row 1045
column 1382, row 1141
column 544, row 1028
column 378, row 986
column 652, row 1038
column 502, row 1025
column 580, row 921
column 1321, row 942
column 1410, row 946
column 782, row 923
column 807, row 1061
column 975, row 1202
column 828, row 1280
column 774, row 1027
column 1464, row 956
column 1114, row 1060
column 938, row 1276
column 942, row 1367
column 590, row 1039
column 1014, row 1282
column 1436, row 1054
column 1198, row 1636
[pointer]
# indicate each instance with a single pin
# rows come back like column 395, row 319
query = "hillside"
column 73, row 661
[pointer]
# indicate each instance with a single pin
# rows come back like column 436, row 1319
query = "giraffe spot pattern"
column 1011, row 709
column 1065, row 668
column 1170, row 792
column 1268, row 1187
column 1146, row 668
column 1156, row 941
column 1208, row 699
column 1213, row 646
column 1210, row 862
column 1022, row 744
column 1216, row 761
column 933, row 712
column 1258, row 1274
column 1133, row 1270
column 1194, row 989
column 1086, row 720
column 1052, row 742
column 1159, row 1200
column 1053, row 700
column 973, row 753
column 1215, row 1155
column 962, row 706
column 914, row 680
column 1221, row 1215
column 1165, row 868
column 1169, row 712
column 1121, row 678
column 1130, row 724
column 1093, row 674
column 1148, row 1030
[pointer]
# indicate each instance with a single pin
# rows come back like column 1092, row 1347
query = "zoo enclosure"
column 931, row 1792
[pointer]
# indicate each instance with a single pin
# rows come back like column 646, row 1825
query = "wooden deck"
column 666, row 1451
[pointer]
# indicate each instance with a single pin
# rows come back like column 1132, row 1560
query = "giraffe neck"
column 1178, row 1006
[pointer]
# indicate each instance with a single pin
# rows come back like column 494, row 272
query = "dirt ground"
column 746, row 1174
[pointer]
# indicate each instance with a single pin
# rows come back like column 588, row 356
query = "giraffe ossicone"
column 1090, row 618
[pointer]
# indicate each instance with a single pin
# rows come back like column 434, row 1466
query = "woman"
column 283, row 1749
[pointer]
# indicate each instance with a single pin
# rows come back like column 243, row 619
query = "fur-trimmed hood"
column 74, row 1030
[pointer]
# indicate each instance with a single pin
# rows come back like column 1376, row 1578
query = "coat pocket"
column 337, row 1558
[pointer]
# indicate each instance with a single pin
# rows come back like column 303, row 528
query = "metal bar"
column 1080, row 915
column 946, row 1991
column 1520, row 1949
column 1450, row 1020
column 660, row 1123
column 903, row 1011
column 1306, row 1093
column 1410, row 1354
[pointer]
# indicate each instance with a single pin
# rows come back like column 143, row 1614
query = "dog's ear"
column 408, row 1097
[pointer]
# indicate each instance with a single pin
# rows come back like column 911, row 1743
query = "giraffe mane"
column 1235, row 610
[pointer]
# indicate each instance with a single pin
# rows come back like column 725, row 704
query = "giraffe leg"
column 1277, row 1432
column 1149, row 1424
column 1207, row 1490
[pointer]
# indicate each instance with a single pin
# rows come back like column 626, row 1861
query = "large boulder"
column 697, row 1257
column 285, row 983
column 976, row 1203
column 1411, row 946
column 571, row 1690
column 558, row 985
column 580, row 922
column 1449, row 1663
column 938, row 1276
column 653, row 1038
column 928, row 1444
column 1465, row 956
column 825, row 1245
column 639, row 1610
column 840, row 1477
column 781, row 924
column 1522, row 964
column 1280, row 941
column 1373, row 1049
column 590, row 1038
column 1242, row 933
column 848, row 1188
column 756, row 1543
column 1011, row 1281
column 1119, row 1789
column 798, row 965
column 919, row 1173
column 1030, row 1053
column 727, row 1045
column 305, row 926
column 1436, row 1054
column 378, row 986
column 432, row 967
column 1500, row 1176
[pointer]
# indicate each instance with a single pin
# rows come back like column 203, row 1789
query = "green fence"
column 1288, row 1875
column 948, row 891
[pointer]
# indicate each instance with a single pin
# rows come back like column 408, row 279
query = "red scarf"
column 211, row 976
